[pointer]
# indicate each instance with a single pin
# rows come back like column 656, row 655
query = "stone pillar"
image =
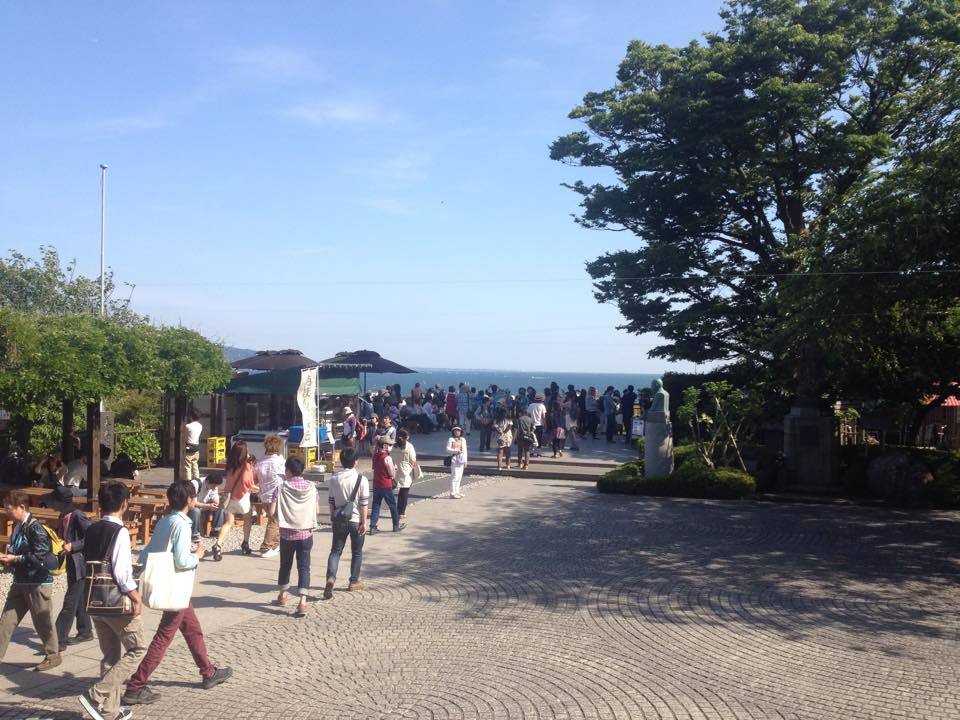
column 658, row 444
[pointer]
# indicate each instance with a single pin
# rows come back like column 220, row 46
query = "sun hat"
column 347, row 410
column 456, row 427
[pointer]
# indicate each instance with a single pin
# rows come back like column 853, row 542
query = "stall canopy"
column 287, row 382
column 274, row 360
column 366, row 361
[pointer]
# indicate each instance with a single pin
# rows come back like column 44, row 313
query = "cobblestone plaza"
column 543, row 599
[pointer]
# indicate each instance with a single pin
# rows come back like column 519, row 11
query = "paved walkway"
column 538, row 599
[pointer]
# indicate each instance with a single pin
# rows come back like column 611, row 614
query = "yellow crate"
column 216, row 451
column 308, row 455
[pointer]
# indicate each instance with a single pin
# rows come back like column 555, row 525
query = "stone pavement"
column 538, row 599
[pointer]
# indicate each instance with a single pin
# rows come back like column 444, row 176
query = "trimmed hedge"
column 691, row 480
column 944, row 465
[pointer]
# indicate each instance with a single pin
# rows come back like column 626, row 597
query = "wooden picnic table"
column 147, row 509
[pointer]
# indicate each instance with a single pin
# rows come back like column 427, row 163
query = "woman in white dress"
column 457, row 450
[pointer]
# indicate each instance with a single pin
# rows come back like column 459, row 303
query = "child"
column 296, row 508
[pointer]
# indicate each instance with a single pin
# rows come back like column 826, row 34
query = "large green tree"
column 741, row 163
column 45, row 285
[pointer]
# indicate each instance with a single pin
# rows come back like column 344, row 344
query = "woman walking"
column 408, row 469
column 457, row 450
column 238, row 486
column 295, row 507
column 503, row 434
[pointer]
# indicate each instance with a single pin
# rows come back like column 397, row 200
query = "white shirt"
column 536, row 411
column 268, row 476
column 193, row 432
column 120, row 557
column 341, row 487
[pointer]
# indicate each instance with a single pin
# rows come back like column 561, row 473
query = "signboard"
column 307, row 400
column 107, row 436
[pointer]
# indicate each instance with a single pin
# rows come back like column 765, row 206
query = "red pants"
column 187, row 623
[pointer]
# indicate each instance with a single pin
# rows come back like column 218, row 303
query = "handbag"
column 448, row 461
column 345, row 511
column 103, row 597
column 162, row 586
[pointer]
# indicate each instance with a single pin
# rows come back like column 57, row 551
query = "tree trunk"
column 179, row 412
column 93, row 453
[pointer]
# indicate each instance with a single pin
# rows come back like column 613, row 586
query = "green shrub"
column 682, row 453
column 692, row 479
column 638, row 443
column 142, row 447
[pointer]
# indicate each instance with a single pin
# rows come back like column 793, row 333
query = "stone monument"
column 810, row 445
column 658, row 434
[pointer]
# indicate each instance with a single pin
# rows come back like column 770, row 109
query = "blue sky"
column 328, row 176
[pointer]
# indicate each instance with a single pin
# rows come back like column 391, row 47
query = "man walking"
column 173, row 531
column 121, row 636
column 538, row 413
column 384, row 471
column 72, row 528
column 349, row 498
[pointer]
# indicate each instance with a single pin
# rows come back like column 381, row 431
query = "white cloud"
column 273, row 63
column 354, row 112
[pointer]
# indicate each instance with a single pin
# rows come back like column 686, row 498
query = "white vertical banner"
column 307, row 400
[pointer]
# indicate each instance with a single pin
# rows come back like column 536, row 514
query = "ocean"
column 510, row 379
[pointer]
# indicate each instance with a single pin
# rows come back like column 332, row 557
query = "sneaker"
column 328, row 590
column 195, row 539
column 48, row 663
column 143, row 696
column 123, row 714
column 83, row 637
column 356, row 586
column 400, row 527
column 217, row 552
column 372, row 531
column 91, row 706
column 457, row 496
column 270, row 553
column 220, row 675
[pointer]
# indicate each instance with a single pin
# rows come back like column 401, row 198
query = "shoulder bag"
column 103, row 597
column 345, row 511
column 162, row 586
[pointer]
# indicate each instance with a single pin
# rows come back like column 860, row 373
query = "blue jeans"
column 341, row 530
column 301, row 550
column 380, row 494
column 196, row 516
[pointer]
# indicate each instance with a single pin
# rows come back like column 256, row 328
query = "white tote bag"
column 162, row 586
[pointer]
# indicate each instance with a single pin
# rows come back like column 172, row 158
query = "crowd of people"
column 529, row 420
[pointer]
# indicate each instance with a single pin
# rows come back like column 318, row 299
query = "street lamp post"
column 103, row 230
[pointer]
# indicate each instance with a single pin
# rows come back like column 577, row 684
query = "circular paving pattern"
column 566, row 604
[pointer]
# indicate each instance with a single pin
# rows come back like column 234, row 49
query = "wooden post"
column 179, row 411
column 93, row 454
column 66, row 431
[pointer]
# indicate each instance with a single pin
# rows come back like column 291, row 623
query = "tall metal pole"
column 103, row 230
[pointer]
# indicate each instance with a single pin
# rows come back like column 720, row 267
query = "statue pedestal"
column 658, row 445
column 810, row 445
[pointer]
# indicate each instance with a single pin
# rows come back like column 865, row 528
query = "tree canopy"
column 55, row 347
column 803, row 139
